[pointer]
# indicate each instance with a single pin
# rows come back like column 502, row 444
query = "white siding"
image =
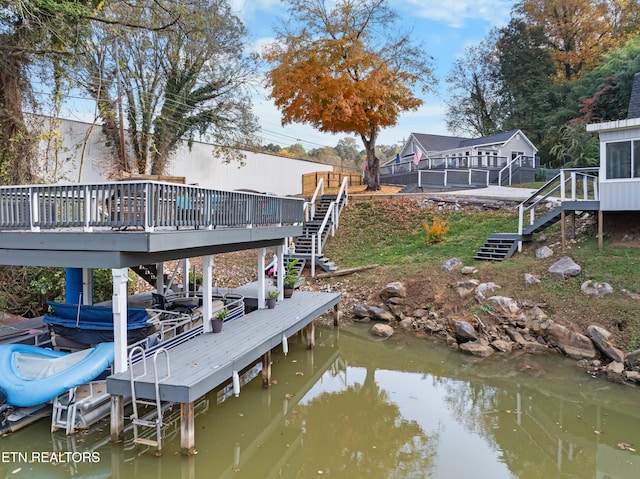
column 620, row 195
column 261, row 172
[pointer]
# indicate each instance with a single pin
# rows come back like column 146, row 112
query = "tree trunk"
column 16, row 143
column 373, row 175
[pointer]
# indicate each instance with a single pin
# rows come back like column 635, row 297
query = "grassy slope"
column 388, row 232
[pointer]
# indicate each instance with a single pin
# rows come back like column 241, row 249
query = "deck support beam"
column 563, row 231
column 207, row 282
column 187, row 429
column 600, row 230
column 266, row 369
column 261, row 278
column 117, row 418
column 336, row 314
column 311, row 335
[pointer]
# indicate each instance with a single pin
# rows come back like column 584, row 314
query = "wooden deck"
column 209, row 360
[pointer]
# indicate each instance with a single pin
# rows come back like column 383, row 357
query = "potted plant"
column 218, row 320
column 290, row 278
column 272, row 295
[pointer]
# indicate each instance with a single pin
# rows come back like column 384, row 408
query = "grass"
column 389, row 232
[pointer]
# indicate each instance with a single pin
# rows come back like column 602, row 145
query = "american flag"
column 417, row 155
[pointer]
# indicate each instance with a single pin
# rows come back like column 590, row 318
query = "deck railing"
column 140, row 204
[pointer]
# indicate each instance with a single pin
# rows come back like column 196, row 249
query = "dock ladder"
column 135, row 401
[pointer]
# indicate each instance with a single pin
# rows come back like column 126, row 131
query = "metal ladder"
column 135, row 418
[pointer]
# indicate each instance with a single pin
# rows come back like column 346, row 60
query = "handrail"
column 340, row 203
column 140, row 204
column 330, row 213
column 319, row 189
column 558, row 184
column 508, row 166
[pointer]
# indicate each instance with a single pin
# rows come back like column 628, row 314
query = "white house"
column 80, row 155
column 620, row 157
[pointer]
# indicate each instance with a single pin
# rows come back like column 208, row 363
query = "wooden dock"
column 209, row 360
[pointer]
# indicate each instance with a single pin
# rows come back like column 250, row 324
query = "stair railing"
column 330, row 214
column 319, row 191
column 341, row 201
column 508, row 168
column 567, row 179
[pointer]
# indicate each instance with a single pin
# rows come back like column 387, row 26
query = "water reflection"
column 360, row 408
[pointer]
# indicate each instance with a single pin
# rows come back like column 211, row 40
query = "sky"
column 444, row 27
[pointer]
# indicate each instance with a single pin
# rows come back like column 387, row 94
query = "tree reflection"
column 359, row 432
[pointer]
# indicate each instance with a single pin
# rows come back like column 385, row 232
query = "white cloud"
column 457, row 13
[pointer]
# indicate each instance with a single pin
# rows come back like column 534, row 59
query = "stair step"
column 144, row 422
column 146, row 442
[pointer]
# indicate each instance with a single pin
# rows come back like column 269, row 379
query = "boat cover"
column 30, row 375
column 92, row 317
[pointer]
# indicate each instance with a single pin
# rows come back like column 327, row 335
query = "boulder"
column 468, row 270
column 564, row 268
column 382, row 330
column 544, row 252
column 632, row 360
column 484, row 289
column 381, row 314
column 420, row 313
column 615, row 372
column 393, row 290
column 477, row 349
column 592, row 288
column 466, row 288
column 502, row 345
column 632, row 376
column 574, row 345
column 600, row 338
column 463, row 331
column 432, row 326
column 507, row 306
column 530, row 279
column 361, row 311
column 406, row 324
column 451, row 264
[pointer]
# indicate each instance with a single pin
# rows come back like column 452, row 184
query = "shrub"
column 436, row 231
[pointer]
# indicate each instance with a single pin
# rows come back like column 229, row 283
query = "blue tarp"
column 92, row 317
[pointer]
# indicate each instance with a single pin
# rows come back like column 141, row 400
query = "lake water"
column 358, row 407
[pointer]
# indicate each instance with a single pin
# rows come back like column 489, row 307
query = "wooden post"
column 266, row 369
column 117, row 418
column 600, row 230
column 311, row 335
column 336, row 314
column 563, row 230
column 573, row 225
column 187, row 429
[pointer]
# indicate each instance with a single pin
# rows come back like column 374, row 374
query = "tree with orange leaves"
column 344, row 67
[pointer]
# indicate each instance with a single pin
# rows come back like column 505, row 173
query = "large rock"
column 544, row 252
column 382, row 330
column 466, row 288
column 632, row 360
column 463, row 331
column 564, row 268
column 485, row 289
column 600, row 338
column 507, row 306
column 574, row 345
column 451, row 264
column 477, row 349
column 530, row 279
column 361, row 311
column 381, row 314
column 467, row 270
column 393, row 290
column 615, row 372
column 593, row 288
column 502, row 345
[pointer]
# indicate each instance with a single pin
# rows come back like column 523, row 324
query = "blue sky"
column 444, row 27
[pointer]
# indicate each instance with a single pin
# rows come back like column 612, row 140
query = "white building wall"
column 83, row 157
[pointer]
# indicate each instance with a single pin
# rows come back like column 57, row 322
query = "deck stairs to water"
column 149, row 272
column 155, row 421
column 572, row 190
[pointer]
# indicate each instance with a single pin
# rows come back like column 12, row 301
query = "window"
column 620, row 160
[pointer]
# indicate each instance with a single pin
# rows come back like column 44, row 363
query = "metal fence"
column 140, row 204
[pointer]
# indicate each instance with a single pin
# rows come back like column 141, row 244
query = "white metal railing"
column 319, row 191
column 513, row 165
column 140, row 204
column 448, row 162
column 461, row 177
column 575, row 184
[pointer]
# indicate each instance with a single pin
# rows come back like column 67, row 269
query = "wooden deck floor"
column 207, row 361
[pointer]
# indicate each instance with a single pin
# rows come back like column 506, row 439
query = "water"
column 357, row 407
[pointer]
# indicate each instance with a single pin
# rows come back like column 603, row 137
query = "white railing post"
column 88, row 209
column 520, row 225
column 445, row 177
column 33, row 208
column 573, row 186
column 319, row 189
column 313, row 256
column 562, row 185
column 333, row 208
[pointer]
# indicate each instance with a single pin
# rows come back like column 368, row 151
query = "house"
column 619, row 176
column 495, row 155
column 81, row 156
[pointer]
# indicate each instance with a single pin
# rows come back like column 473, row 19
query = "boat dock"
column 209, row 360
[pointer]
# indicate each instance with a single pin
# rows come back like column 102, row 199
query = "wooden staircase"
column 148, row 272
column 498, row 247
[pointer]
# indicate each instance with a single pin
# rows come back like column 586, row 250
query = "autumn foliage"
column 436, row 231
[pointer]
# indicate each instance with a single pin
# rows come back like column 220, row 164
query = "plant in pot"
column 218, row 320
column 272, row 296
column 290, row 278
